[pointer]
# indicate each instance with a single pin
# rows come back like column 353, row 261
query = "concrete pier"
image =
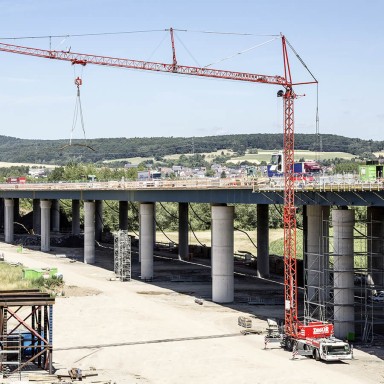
column 8, row 220
column 45, row 206
column 75, row 217
column 262, row 240
column 55, row 215
column 36, row 216
column 183, row 231
column 146, row 241
column 123, row 215
column 222, row 254
column 16, row 209
column 1, row 214
column 343, row 221
column 317, row 233
column 375, row 246
column 89, row 232
column 98, row 219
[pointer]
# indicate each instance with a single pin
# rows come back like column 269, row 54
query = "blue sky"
column 340, row 41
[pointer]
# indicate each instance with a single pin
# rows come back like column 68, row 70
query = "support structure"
column 28, row 314
column 89, row 232
column 316, row 262
column 98, row 219
column 183, row 231
column 16, row 209
column 146, row 241
column 36, row 217
column 122, row 255
column 75, row 217
column 45, row 206
column 123, row 215
column 55, row 215
column 343, row 221
column 263, row 240
column 1, row 215
column 222, row 254
column 375, row 219
column 8, row 221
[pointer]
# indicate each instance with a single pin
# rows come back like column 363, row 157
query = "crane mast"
column 289, row 217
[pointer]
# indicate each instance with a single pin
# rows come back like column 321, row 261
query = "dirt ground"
column 155, row 332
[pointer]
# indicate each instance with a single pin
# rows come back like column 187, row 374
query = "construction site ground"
column 169, row 331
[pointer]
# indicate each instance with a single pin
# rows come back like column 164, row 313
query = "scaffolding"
column 364, row 280
column 10, row 355
column 26, row 322
column 122, row 255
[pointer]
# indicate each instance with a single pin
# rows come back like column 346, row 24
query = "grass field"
column 242, row 241
column 132, row 160
column 262, row 155
column 11, row 277
column 4, row 164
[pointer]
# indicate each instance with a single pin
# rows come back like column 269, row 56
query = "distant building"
column 148, row 175
column 129, row 165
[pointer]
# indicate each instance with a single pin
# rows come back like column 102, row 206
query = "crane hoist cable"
column 78, row 112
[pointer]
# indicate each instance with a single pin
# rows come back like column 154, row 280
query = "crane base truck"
column 314, row 340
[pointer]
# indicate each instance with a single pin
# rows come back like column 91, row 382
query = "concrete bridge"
column 324, row 282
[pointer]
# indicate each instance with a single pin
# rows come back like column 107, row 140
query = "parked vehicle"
column 303, row 168
column 379, row 298
column 17, row 180
column 314, row 339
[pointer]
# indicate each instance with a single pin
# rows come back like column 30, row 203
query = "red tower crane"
column 288, row 95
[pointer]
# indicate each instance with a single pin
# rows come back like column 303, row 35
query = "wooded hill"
column 96, row 150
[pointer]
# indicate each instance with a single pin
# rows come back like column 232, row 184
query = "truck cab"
column 327, row 349
column 316, row 339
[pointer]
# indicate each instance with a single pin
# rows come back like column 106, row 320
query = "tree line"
column 97, row 150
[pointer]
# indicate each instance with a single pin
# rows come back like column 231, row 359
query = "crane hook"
column 78, row 81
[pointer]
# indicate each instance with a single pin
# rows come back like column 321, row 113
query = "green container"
column 351, row 336
column 33, row 274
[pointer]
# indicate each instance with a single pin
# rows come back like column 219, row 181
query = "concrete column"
column 154, row 225
column 16, row 209
column 222, row 254
column 183, row 231
column 146, row 240
column 262, row 240
column 343, row 221
column 8, row 220
column 98, row 219
column 317, row 232
column 75, row 217
column 55, row 215
column 1, row 214
column 45, row 206
column 375, row 245
column 36, row 216
column 123, row 215
column 89, row 232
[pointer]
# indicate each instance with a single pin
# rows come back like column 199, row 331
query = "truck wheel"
column 317, row 354
column 289, row 344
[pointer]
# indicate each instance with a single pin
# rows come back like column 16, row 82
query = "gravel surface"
column 140, row 332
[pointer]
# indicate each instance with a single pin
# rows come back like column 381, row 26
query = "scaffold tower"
column 122, row 255
column 323, row 291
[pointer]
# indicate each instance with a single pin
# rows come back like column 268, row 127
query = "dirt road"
column 137, row 332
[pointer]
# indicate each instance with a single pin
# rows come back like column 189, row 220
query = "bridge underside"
column 212, row 196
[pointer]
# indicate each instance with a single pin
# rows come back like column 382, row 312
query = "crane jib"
column 83, row 59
